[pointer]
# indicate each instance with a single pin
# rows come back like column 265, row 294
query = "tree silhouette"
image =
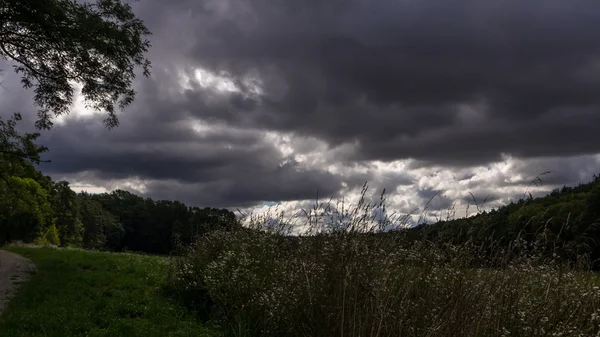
column 56, row 44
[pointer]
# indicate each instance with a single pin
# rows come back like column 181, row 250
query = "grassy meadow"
column 345, row 284
column 85, row 293
column 250, row 283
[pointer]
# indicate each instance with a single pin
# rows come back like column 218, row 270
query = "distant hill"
column 566, row 222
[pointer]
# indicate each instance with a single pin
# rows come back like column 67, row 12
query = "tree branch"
column 25, row 155
column 28, row 66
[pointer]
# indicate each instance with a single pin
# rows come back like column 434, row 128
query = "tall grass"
column 348, row 278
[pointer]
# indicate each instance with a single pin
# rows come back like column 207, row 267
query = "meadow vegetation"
column 354, row 280
column 83, row 293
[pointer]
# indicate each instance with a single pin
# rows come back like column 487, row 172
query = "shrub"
column 364, row 285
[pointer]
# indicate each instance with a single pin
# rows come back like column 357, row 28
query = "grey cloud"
column 283, row 184
column 448, row 84
column 222, row 166
column 392, row 75
column 220, row 169
column 568, row 171
column 14, row 99
column 436, row 199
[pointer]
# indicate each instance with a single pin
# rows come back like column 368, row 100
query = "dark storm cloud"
column 449, row 84
column 156, row 144
column 567, row 171
column 250, row 187
column 397, row 76
column 233, row 168
column 13, row 99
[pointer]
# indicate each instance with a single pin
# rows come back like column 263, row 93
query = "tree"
column 57, row 44
column 102, row 230
column 25, row 212
column 66, row 210
column 153, row 225
column 16, row 150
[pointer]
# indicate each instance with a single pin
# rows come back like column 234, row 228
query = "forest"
column 564, row 224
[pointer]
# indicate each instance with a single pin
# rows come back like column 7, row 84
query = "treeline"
column 39, row 210
column 565, row 225
column 33, row 208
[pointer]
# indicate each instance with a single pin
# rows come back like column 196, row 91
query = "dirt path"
column 14, row 270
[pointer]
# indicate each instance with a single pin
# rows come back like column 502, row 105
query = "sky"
column 257, row 102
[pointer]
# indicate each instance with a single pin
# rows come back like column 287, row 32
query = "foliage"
column 154, row 226
column 113, row 221
column 50, row 237
column 59, row 43
column 17, row 152
column 567, row 220
column 79, row 293
column 348, row 284
column 25, row 212
column 99, row 225
column 68, row 217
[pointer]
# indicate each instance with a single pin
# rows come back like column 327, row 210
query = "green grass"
column 82, row 293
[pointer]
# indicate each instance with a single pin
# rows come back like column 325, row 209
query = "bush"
column 49, row 237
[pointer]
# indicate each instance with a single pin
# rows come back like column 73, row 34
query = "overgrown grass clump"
column 360, row 285
column 355, row 280
column 83, row 293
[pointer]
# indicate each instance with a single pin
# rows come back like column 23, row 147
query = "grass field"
column 267, row 285
column 80, row 293
column 359, row 285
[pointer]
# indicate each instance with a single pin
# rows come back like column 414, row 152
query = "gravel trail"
column 14, row 270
